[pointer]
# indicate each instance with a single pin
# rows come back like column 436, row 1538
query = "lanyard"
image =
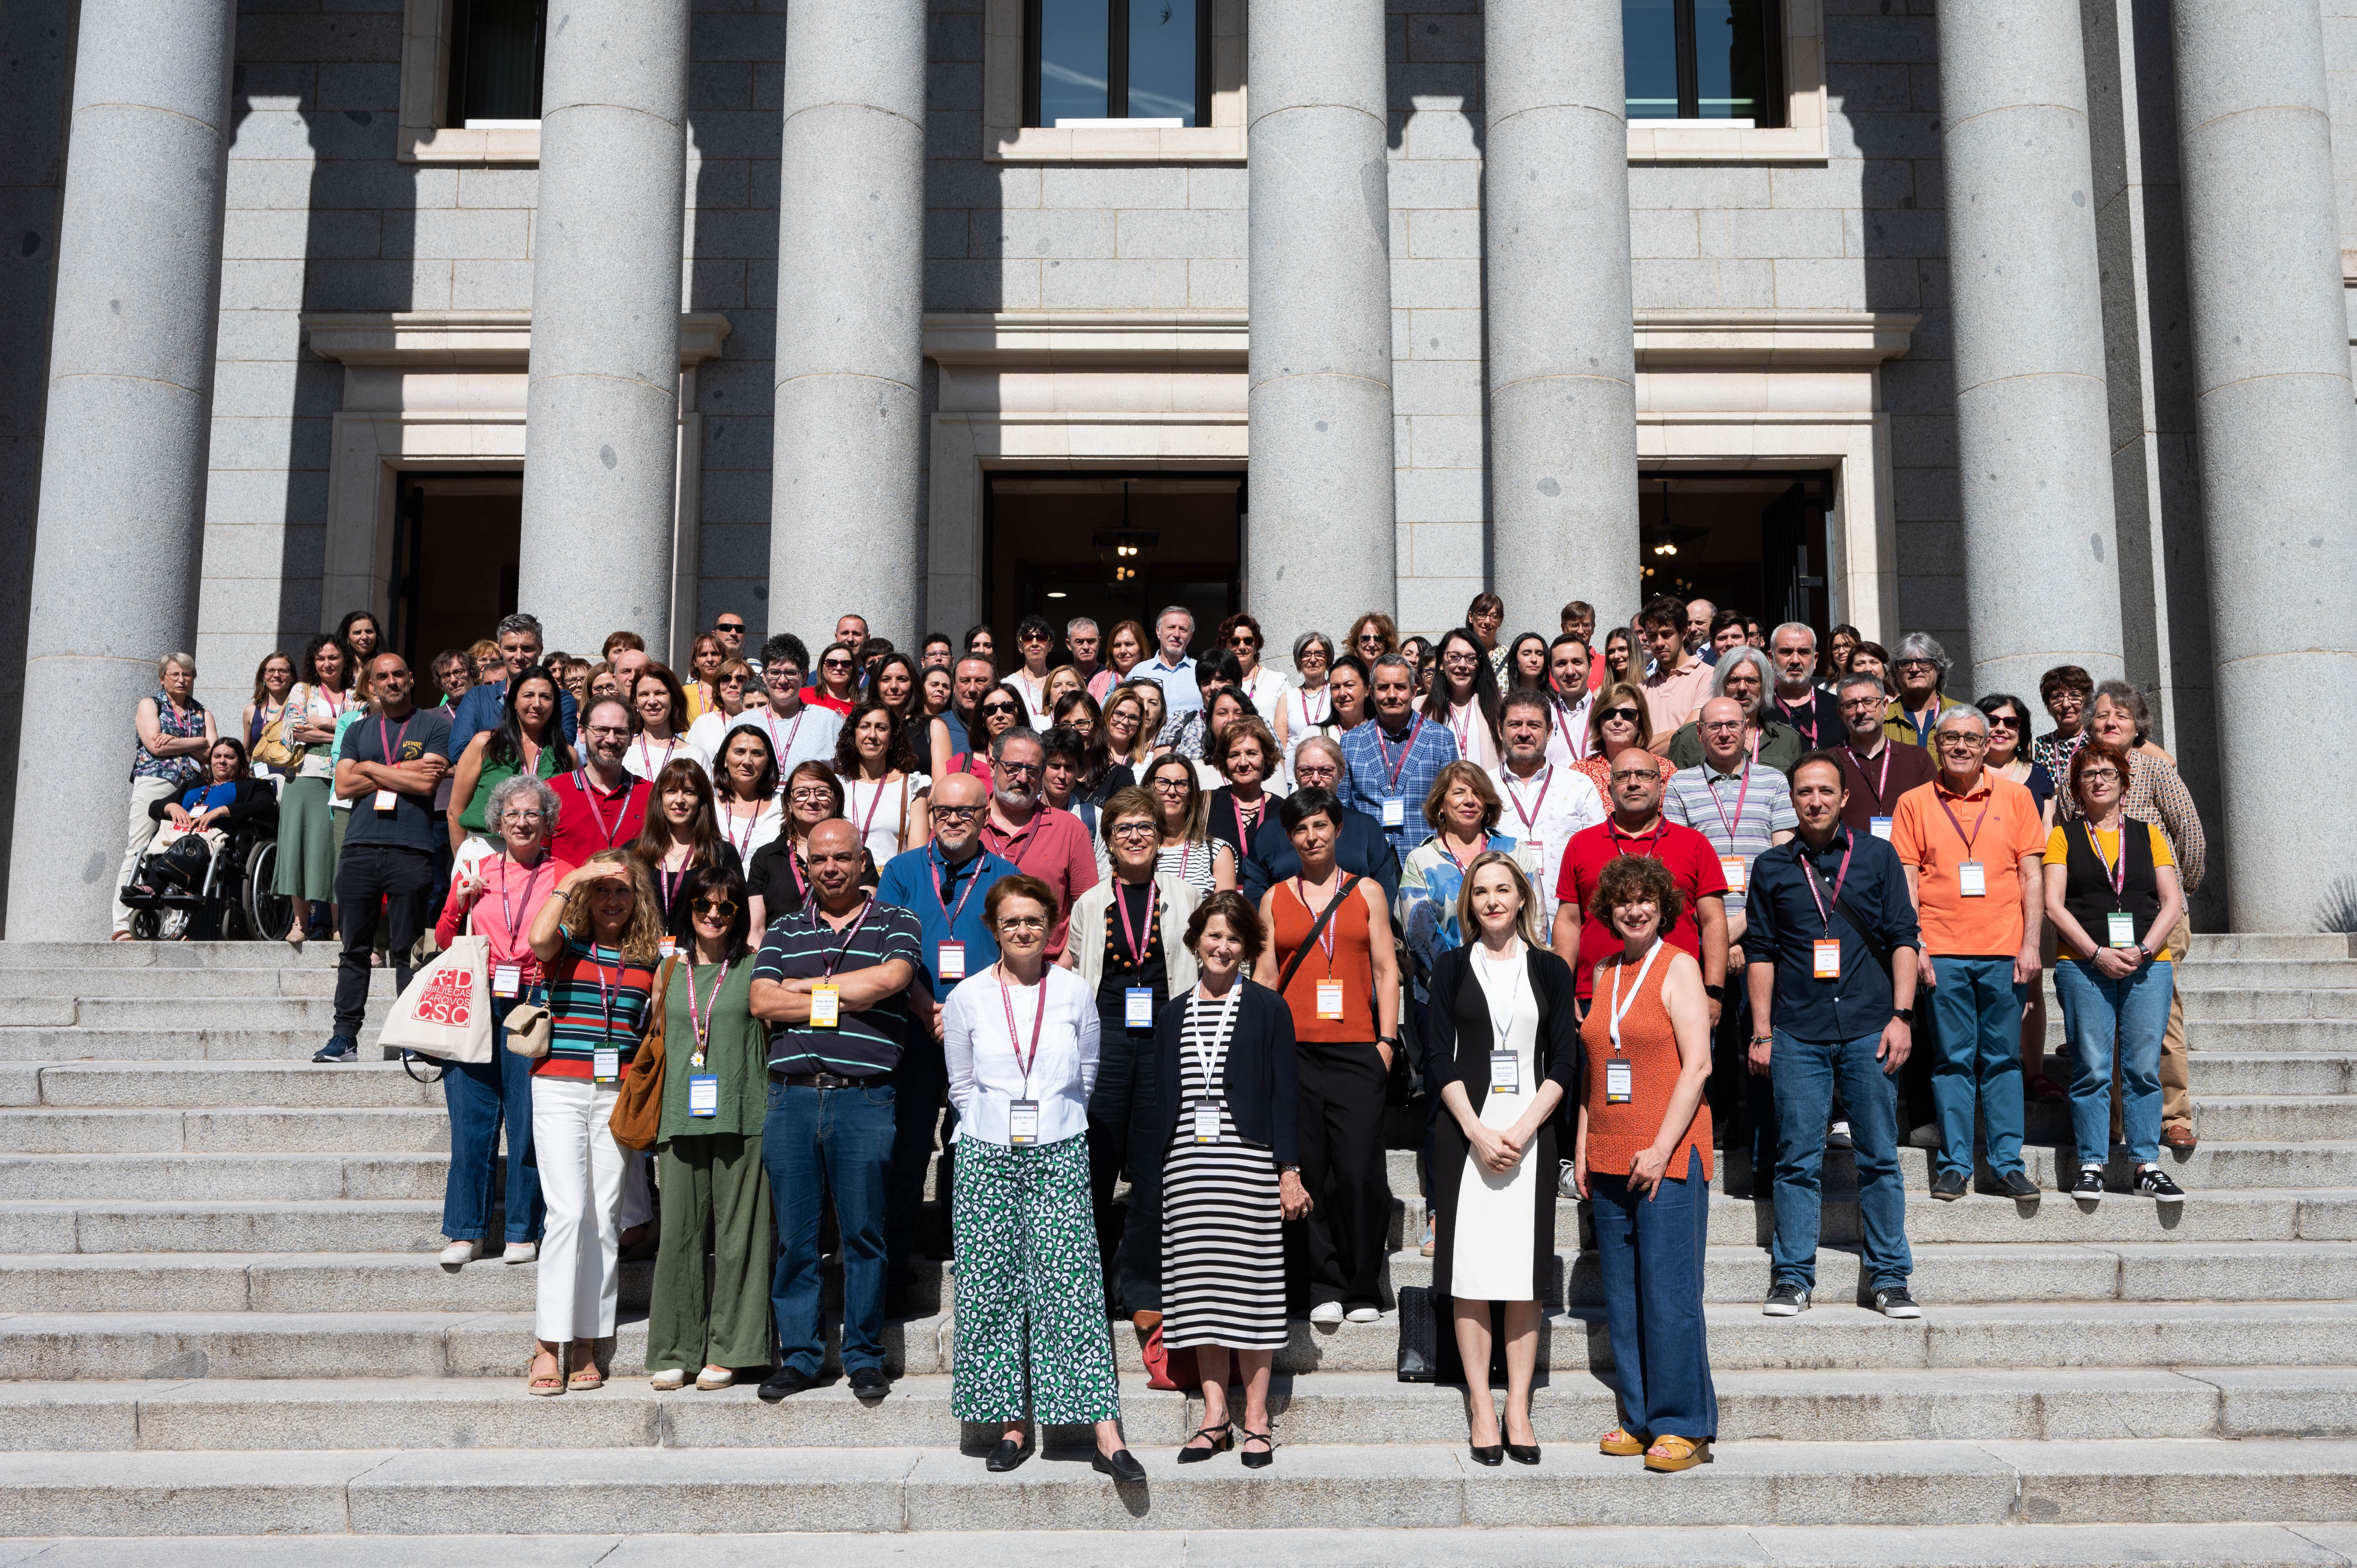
column 1505, row 1026
column 1326, row 936
column 1794, row 715
column 728, row 827
column 1741, row 793
column 1326, row 707
column 588, row 794
column 794, row 864
column 1223, row 1031
column 1651, row 838
column 1882, row 779
column 670, row 880
column 1824, row 913
column 1244, row 835
column 646, row 754
column 1383, row 750
column 1007, row 841
column 391, row 760
column 1463, row 866
column 2116, row 876
column 1038, row 1016
column 1620, row 1009
column 701, row 1022
column 941, row 888
column 769, row 722
column 1563, row 725
column 830, row 960
column 605, row 994
column 876, row 799
column 1940, row 791
column 508, row 914
column 1138, row 937
column 1514, row 797
column 1463, row 733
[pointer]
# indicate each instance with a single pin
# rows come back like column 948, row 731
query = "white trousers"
column 581, row 1183
column 140, row 831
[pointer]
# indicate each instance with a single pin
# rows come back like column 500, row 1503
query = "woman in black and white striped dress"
column 1230, row 1179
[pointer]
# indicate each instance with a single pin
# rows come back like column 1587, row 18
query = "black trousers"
column 921, row 1087
column 369, row 873
column 1121, row 1130
column 1338, row 1252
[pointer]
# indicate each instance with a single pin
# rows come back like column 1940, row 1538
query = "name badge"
column 949, row 961
column 1207, row 1121
column 1529, row 854
column 1620, row 1082
column 669, row 947
column 1395, row 812
column 1735, row 869
column 827, row 1007
column 1828, row 958
column 1329, row 999
column 606, row 1063
column 1022, row 1122
column 2120, row 929
column 1881, row 826
column 704, row 1095
column 1505, row 1073
column 1138, row 1007
column 507, row 980
column 1972, row 879
column 387, row 801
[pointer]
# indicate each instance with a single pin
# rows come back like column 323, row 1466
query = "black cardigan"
column 1258, row 1075
column 1458, row 1030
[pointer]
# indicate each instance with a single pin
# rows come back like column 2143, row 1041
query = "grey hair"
column 519, row 622
column 1076, row 622
column 1166, row 611
column 1324, row 743
column 187, row 661
column 1922, row 645
column 1400, row 659
column 1860, row 678
column 1733, row 658
column 1301, row 644
column 1961, row 712
column 507, row 789
column 1803, row 627
column 2123, row 694
column 1020, row 732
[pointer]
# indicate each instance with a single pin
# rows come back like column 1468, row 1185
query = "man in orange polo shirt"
column 1972, row 844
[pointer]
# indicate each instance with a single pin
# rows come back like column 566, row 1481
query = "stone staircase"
column 220, row 1318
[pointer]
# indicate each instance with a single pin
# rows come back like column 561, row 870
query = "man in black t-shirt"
column 387, row 766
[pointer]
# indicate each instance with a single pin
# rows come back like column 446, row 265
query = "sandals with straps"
column 1670, row 1451
column 1220, row 1445
column 547, row 1384
column 1619, row 1445
column 1266, row 1456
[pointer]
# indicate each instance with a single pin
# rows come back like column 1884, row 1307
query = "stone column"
column 2033, row 431
column 1562, row 367
column 123, row 457
column 2277, row 446
column 846, row 501
column 601, row 421
column 1324, row 541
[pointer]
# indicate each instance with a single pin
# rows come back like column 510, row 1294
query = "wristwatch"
column 1905, row 1015
column 1394, row 1041
column 1715, row 992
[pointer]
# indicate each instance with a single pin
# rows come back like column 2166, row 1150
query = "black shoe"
column 2089, row 1187
column 1948, row 1186
column 1219, row 1444
column 870, row 1383
column 2015, row 1185
column 1785, row 1301
column 1894, row 1302
column 783, row 1381
column 1120, row 1465
column 2154, row 1183
column 1006, row 1457
column 1522, row 1454
column 1259, row 1459
column 1493, row 1456
column 338, row 1049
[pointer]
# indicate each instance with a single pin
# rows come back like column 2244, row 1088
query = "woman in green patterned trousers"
column 1021, row 1040
column 716, row 1196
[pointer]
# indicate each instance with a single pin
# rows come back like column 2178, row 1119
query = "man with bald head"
column 832, row 983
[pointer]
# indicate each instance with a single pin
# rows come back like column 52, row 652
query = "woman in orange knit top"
column 1643, row 1160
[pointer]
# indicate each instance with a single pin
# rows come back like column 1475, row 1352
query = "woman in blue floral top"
column 174, row 733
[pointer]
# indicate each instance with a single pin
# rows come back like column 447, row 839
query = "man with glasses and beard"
column 1032, row 836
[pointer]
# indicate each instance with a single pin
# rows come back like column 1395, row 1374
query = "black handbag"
column 1419, row 1335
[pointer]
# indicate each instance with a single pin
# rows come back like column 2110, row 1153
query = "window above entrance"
column 471, row 75
column 1135, row 81
column 1724, row 80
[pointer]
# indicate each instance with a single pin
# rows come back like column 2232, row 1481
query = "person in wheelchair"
column 186, row 871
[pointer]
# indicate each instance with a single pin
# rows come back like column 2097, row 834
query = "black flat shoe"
column 1226, row 1441
column 1265, row 1457
column 1120, row 1465
column 1493, row 1456
column 1522, row 1453
column 1006, row 1457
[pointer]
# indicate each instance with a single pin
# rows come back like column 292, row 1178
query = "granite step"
column 1396, row 1487
column 243, row 1177
column 256, row 1225
column 379, row 1130
column 240, row 1045
column 2230, row 998
column 259, row 980
column 168, row 955
column 1336, row 1408
column 185, row 1084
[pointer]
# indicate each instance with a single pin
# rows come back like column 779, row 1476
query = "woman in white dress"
column 884, row 795
column 1504, row 1054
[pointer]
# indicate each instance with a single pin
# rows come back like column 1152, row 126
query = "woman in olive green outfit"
column 716, row 1196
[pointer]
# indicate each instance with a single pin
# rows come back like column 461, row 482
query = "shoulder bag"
column 637, row 1119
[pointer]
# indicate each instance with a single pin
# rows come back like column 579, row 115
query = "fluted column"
column 2033, row 434
column 2277, row 446
column 1562, row 354
column 124, row 443
column 1324, row 543
column 845, row 503
column 601, row 431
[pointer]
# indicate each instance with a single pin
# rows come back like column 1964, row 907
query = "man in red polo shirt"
column 1637, row 827
column 599, row 805
column 1037, row 839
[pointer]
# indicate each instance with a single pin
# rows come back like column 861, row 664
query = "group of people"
column 1140, row 951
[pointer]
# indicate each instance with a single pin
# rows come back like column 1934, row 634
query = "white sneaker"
column 669, row 1380
column 458, row 1253
column 1365, row 1314
column 520, row 1252
column 1326, row 1313
column 1837, row 1136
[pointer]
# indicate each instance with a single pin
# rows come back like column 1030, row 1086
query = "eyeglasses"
column 1171, row 786
column 1314, row 774
column 1023, row 923
column 1919, row 665
column 1147, row 830
column 2000, row 721
column 1243, row 639
column 1626, row 715
column 610, row 731
column 534, row 816
column 814, row 796
column 1035, row 636
column 1019, row 769
column 1964, row 742
column 726, row 909
column 2092, row 774
column 957, row 813
column 1722, row 727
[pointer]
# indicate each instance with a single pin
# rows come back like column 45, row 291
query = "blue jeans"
column 2096, row 1012
column 817, row 1144
column 480, row 1095
column 1976, row 1023
column 1648, row 1249
column 1807, row 1072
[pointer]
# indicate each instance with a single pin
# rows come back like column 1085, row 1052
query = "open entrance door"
column 457, row 539
column 1111, row 547
column 1754, row 542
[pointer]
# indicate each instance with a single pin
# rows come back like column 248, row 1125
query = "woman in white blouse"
column 884, row 795
column 1021, row 1041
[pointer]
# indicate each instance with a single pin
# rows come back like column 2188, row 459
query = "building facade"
column 2021, row 324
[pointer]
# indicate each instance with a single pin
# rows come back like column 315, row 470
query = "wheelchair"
column 188, row 890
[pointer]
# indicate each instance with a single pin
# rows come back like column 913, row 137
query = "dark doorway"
column 456, row 542
column 1753, row 541
column 1111, row 547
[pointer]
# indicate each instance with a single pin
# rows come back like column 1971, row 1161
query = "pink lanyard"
column 1038, row 1019
column 508, row 914
column 941, row 892
column 588, row 794
column 1326, row 936
column 1383, row 751
column 1309, row 723
column 1137, row 938
column 769, row 722
column 701, row 1022
column 870, row 820
column 1531, row 817
column 728, row 828
column 1969, row 837
column 1563, row 725
column 838, row 956
column 646, row 754
column 1742, row 792
column 1463, row 732
column 398, row 737
column 1810, row 876
column 2116, row 876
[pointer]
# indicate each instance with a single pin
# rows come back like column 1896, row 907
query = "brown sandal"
column 1670, row 1451
column 1619, row 1445
column 551, row 1383
column 586, row 1378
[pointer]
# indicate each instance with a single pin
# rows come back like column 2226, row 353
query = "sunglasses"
column 730, row 626
column 835, row 663
column 997, row 710
column 1626, row 715
column 726, row 909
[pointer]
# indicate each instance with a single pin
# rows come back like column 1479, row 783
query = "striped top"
column 1740, row 812
column 594, row 999
column 802, row 946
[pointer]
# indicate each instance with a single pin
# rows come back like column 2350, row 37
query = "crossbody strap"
column 1841, row 906
column 1317, row 930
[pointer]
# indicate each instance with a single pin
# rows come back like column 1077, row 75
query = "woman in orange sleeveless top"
column 1343, row 990
column 1643, row 1161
